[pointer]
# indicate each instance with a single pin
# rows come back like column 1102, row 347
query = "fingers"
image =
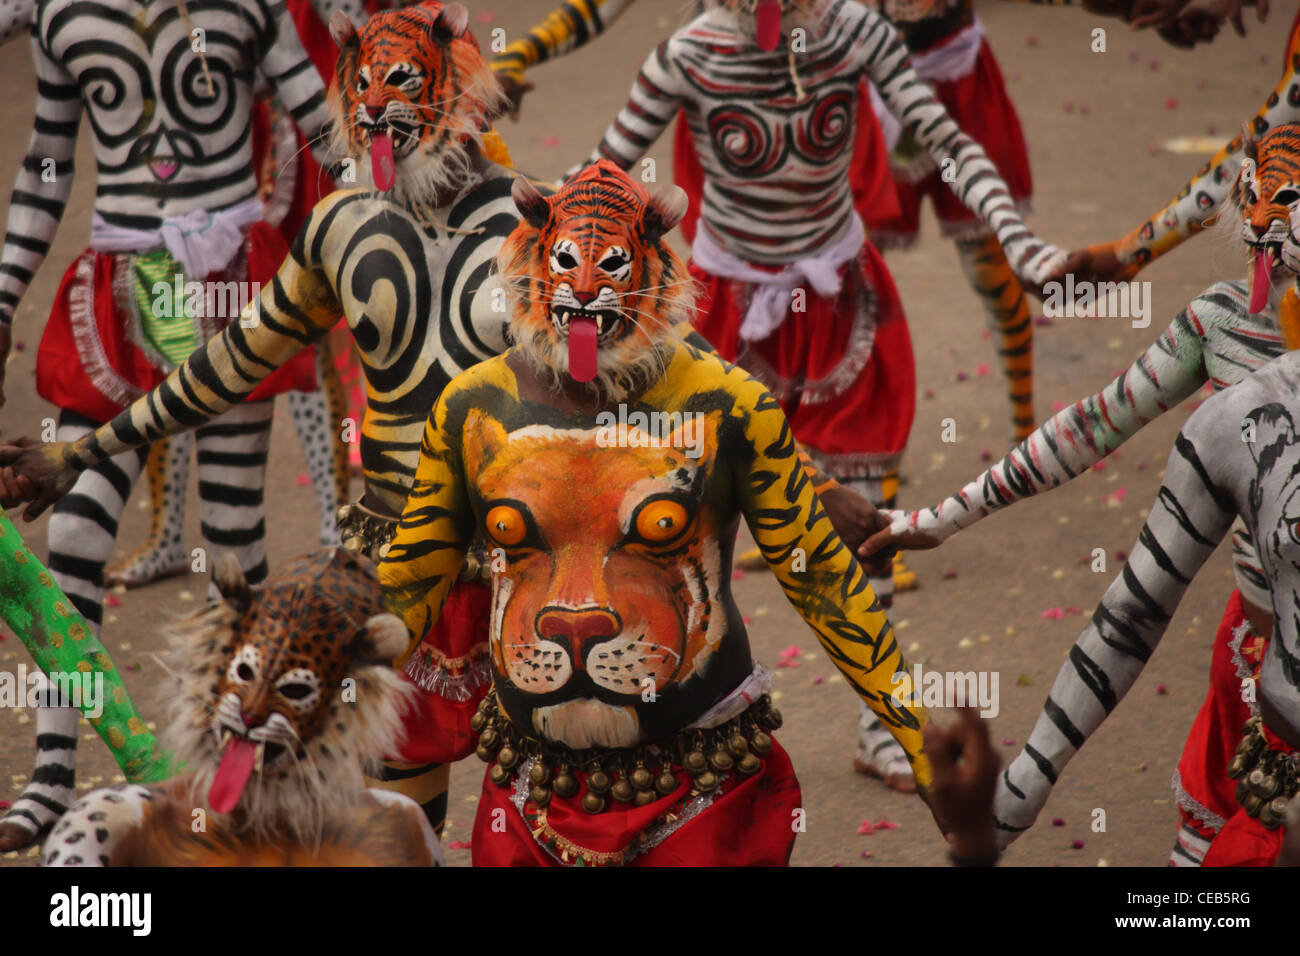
column 875, row 544
column 11, row 491
column 38, row 506
column 938, row 747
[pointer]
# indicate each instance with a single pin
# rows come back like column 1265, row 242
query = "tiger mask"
column 1267, row 193
column 607, row 614
column 286, row 691
column 594, row 291
column 411, row 93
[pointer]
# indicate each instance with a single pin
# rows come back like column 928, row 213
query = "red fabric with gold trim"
column 868, row 414
column 1203, row 767
column 1244, row 841
column 451, row 672
column 751, row 821
column 874, row 194
column 62, row 377
column 981, row 106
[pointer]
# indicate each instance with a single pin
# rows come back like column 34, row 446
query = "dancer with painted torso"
column 1223, row 335
column 793, row 291
column 621, row 668
column 170, row 136
column 1212, row 478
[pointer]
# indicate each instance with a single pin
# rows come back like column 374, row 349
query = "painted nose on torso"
column 575, row 630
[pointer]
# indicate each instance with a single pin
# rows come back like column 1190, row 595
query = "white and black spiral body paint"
column 775, row 131
column 164, row 144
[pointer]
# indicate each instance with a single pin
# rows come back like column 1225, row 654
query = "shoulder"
column 413, row 821
column 1224, row 301
column 87, row 833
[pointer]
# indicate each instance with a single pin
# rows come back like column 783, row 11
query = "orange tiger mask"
column 1268, row 194
column 409, row 92
column 594, row 290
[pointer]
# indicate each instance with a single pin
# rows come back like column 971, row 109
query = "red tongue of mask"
column 582, row 348
column 1260, row 281
column 232, row 775
column 381, row 160
column 769, row 24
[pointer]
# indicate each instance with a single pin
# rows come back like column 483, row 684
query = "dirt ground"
column 1095, row 123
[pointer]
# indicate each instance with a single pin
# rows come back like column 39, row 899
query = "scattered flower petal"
column 982, row 368
column 1161, row 689
column 1042, row 320
column 818, row 679
column 112, row 600
column 302, row 480
column 884, row 824
column 1053, row 614
column 1077, row 844
column 1008, row 742
column 865, row 828
column 949, row 575
column 1058, row 822
column 738, row 575
column 961, row 376
column 459, row 845
column 550, row 142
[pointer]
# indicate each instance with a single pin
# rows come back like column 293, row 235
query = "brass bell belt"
column 639, row 775
column 1267, row 778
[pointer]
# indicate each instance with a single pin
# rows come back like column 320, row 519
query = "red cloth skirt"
column 451, row 671
column 1244, row 841
column 982, row 108
column 874, row 194
column 89, row 360
column 1203, row 767
column 842, row 369
column 751, row 821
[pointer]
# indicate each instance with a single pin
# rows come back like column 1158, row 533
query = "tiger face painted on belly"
column 611, row 596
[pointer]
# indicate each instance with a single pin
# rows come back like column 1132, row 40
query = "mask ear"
column 342, row 29
column 229, row 578
column 666, row 209
column 532, row 205
column 386, row 638
column 452, row 21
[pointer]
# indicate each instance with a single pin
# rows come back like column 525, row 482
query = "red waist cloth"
column 451, row 671
column 1244, row 841
column 980, row 105
column 869, row 176
column 1207, row 794
column 749, row 821
column 91, row 359
column 842, row 369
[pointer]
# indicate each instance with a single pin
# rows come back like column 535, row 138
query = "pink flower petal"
column 459, row 844
column 865, row 854
column 864, row 828
column 818, row 679
column 1058, row 405
column 485, row 16
column 1068, row 106
column 884, row 824
column 19, row 345
column 1077, row 844
column 1121, row 555
column 982, row 368
column 929, row 393
column 5, row 804
column 949, row 575
column 1058, row 822
column 550, row 142
column 1073, row 610
column 1171, row 104
column 1042, row 321
column 746, row 620
column 794, row 650
column 961, row 376
column 1084, row 109
column 1161, row 689
column 112, row 600
column 986, row 456
column 1008, row 742
column 1053, row 614
column 738, row 575
column 302, row 480
column 1031, row 40
column 1134, row 56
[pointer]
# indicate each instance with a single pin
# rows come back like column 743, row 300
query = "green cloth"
column 167, row 326
column 61, row 641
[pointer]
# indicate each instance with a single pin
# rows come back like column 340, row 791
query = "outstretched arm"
column 295, row 309
column 1075, row 438
column 1189, row 518
column 820, row 576
column 658, row 93
column 571, row 25
column 1198, row 202
column 288, row 68
column 41, row 187
column 428, row 550
column 972, row 177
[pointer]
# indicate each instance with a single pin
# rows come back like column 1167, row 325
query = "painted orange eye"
column 661, row 521
column 506, row 525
